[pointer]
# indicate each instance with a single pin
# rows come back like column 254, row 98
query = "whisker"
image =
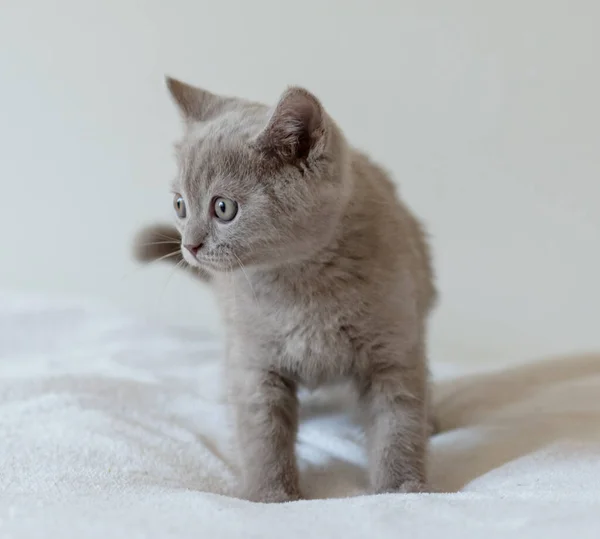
column 160, row 243
column 165, row 237
column 179, row 264
column 144, row 266
column 246, row 275
column 168, row 255
column 232, row 284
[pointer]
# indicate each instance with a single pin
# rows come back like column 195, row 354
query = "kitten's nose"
column 193, row 248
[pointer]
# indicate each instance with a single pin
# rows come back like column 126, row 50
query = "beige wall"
column 486, row 112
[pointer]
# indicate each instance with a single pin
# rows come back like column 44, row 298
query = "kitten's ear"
column 296, row 127
column 194, row 103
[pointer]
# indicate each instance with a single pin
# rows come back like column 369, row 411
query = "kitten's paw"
column 413, row 486
column 410, row 486
column 433, row 426
column 272, row 496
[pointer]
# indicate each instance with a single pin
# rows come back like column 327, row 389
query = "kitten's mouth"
column 209, row 264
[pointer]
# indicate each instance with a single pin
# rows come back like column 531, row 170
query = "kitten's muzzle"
column 193, row 249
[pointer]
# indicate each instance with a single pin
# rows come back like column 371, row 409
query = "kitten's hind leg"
column 433, row 422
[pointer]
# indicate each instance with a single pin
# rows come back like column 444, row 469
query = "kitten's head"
column 256, row 185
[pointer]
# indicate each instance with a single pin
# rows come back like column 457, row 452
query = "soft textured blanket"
column 114, row 427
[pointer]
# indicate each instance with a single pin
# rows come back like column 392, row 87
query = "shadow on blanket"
column 487, row 420
column 490, row 419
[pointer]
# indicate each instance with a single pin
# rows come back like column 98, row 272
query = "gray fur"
column 324, row 275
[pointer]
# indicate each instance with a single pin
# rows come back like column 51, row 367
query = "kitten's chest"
column 311, row 345
column 304, row 337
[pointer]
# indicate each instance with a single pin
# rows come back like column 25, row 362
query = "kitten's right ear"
column 296, row 128
column 195, row 104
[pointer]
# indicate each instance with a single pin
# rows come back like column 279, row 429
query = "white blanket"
column 112, row 427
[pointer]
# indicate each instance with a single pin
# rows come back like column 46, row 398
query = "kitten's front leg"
column 266, row 410
column 395, row 394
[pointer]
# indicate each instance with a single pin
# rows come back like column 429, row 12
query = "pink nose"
column 193, row 248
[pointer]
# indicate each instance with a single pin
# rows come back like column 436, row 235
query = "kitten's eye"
column 225, row 209
column 179, row 205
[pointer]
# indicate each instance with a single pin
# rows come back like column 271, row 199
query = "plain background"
column 486, row 113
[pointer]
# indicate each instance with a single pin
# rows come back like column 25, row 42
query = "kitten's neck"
column 351, row 243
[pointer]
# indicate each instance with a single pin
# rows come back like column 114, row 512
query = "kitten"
column 322, row 274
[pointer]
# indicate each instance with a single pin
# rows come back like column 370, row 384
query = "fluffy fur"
column 323, row 275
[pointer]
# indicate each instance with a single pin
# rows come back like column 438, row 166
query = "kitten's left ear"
column 195, row 104
column 296, row 127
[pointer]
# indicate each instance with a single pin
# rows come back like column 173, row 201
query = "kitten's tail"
column 157, row 241
column 161, row 242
